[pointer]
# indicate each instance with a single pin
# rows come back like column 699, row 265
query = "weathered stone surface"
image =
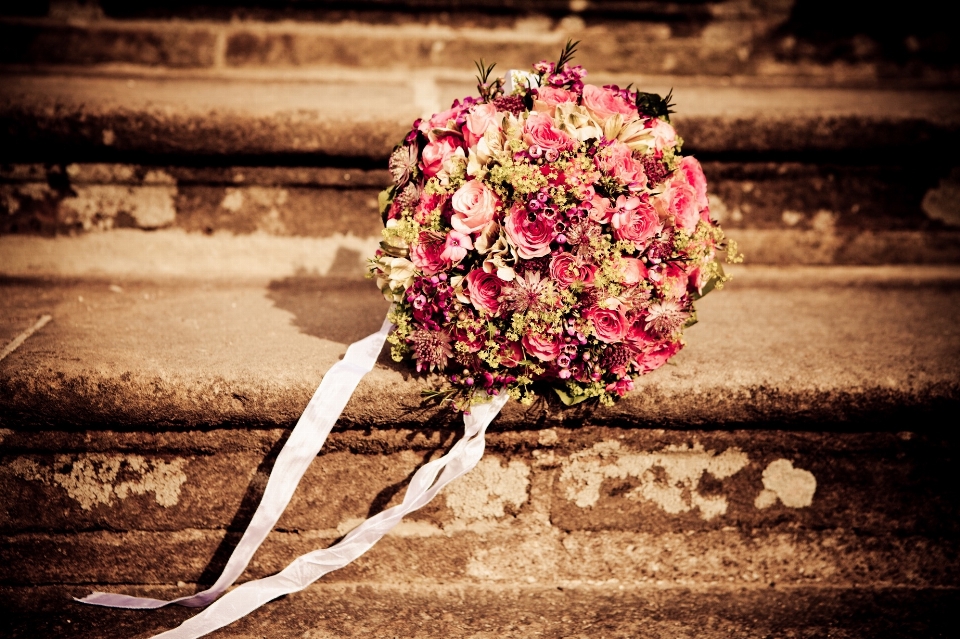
column 780, row 213
column 639, row 489
column 780, row 40
column 217, row 258
column 591, row 478
column 52, row 42
column 537, row 555
column 50, row 118
column 789, row 349
column 516, row 612
column 73, row 118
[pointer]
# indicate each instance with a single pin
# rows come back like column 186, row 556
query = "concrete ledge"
column 69, row 118
column 788, row 347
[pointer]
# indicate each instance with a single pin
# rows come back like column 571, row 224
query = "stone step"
column 565, row 505
column 517, row 612
column 798, row 441
column 245, row 330
column 332, row 114
column 772, row 41
column 779, row 212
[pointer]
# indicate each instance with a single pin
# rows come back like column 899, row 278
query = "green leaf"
column 711, row 283
column 384, row 200
column 569, row 400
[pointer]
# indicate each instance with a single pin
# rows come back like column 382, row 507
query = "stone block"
column 779, row 212
column 296, row 211
column 53, row 43
column 590, row 479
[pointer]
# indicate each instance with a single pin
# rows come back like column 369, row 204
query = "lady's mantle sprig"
column 548, row 231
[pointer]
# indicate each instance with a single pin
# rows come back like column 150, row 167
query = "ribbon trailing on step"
column 301, row 448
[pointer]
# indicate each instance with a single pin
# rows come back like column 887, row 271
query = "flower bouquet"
column 546, row 231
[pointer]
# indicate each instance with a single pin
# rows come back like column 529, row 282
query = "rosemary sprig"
column 483, row 78
column 567, row 54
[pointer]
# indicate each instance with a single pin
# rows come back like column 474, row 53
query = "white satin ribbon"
column 301, row 448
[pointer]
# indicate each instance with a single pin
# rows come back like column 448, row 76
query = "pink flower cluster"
column 551, row 235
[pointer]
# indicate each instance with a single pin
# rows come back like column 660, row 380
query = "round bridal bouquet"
column 545, row 233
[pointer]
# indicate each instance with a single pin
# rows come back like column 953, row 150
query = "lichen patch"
column 489, row 489
column 794, row 487
column 669, row 478
column 104, row 206
column 98, row 479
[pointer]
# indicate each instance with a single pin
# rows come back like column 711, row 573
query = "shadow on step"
column 248, row 505
column 341, row 306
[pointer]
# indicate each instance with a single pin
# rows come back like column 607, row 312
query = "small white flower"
column 517, row 80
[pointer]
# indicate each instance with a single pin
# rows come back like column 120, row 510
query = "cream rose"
column 604, row 103
column 474, row 205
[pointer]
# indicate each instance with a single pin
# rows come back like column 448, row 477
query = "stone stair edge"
column 731, row 42
column 145, row 355
column 108, row 115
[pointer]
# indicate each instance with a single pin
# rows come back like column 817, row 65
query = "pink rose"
column 566, row 268
column 604, row 103
column 484, row 290
column 554, row 96
column 510, row 352
column 664, row 135
column 650, row 352
column 679, row 201
column 531, row 234
column 549, row 97
column 480, row 118
column 600, row 209
column 692, row 172
column 546, row 348
column 635, row 220
column 633, row 270
column 442, row 120
column 539, row 131
column 438, row 152
column 617, row 160
column 621, row 387
column 427, row 253
column 696, row 280
column 657, row 356
column 610, row 325
column 474, row 205
column 455, row 247
column 637, row 337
